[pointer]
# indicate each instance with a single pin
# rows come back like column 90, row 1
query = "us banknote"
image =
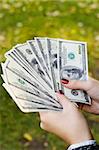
column 15, row 75
column 28, row 106
column 73, row 66
column 34, row 72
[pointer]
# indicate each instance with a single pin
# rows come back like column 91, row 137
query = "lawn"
column 21, row 20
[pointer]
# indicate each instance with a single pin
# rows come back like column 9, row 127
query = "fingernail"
column 61, row 92
column 64, row 81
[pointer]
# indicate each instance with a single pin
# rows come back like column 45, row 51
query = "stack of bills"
column 33, row 70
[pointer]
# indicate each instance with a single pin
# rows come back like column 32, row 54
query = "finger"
column 86, row 108
column 62, row 99
column 93, row 108
column 89, row 108
column 78, row 84
column 76, row 104
column 43, row 112
column 44, row 126
column 43, row 116
column 80, row 106
column 41, row 125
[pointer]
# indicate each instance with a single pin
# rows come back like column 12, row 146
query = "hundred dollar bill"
column 22, row 61
column 24, row 95
column 52, row 45
column 42, row 46
column 26, row 89
column 26, row 106
column 36, row 47
column 17, row 76
column 73, row 66
column 21, row 89
column 32, row 55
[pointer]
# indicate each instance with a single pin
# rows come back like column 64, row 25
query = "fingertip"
column 69, row 83
column 76, row 84
column 58, row 94
column 64, row 81
column 61, row 92
column 41, row 125
column 62, row 98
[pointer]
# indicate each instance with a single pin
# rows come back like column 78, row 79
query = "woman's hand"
column 91, row 87
column 69, row 124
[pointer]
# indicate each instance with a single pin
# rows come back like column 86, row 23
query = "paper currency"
column 27, row 106
column 73, row 66
column 20, row 79
column 42, row 46
column 52, row 45
column 35, row 73
column 32, row 73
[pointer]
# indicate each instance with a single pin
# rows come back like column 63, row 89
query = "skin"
column 69, row 124
column 92, row 88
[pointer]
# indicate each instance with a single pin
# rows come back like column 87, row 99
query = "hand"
column 69, row 124
column 91, row 87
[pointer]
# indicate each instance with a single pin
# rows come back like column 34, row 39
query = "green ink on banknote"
column 22, row 82
column 71, row 56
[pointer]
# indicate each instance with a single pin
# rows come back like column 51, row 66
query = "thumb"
column 77, row 84
column 62, row 99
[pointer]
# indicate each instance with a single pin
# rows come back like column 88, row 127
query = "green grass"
column 22, row 20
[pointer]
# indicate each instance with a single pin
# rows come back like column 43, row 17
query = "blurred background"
column 21, row 20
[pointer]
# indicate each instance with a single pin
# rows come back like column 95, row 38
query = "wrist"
column 78, row 136
column 81, row 137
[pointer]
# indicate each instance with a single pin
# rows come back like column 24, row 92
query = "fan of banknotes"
column 32, row 72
